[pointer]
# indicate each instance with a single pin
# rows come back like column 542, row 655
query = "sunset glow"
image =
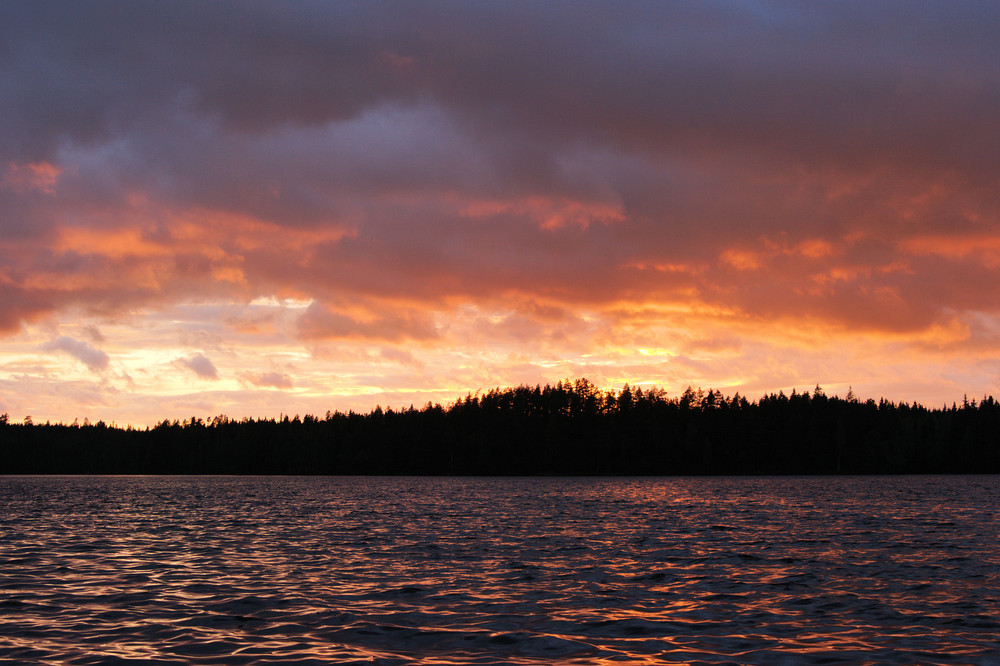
column 260, row 209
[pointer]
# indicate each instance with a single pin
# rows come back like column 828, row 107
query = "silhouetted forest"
column 572, row 428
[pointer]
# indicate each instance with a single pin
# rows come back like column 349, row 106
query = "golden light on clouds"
column 652, row 197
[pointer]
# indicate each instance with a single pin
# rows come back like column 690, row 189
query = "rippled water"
column 465, row 571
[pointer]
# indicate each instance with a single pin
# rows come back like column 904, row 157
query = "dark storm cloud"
column 660, row 76
column 580, row 152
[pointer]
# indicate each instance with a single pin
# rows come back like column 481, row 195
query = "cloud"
column 598, row 141
column 95, row 359
column 94, row 333
column 272, row 379
column 320, row 321
column 18, row 307
column 41, row 176
column 397, row 355
column 201, row 366
column 558, row 171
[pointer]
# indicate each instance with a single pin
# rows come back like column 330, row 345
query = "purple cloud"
column 95, row 359
column 272, row 379
column 201, row 366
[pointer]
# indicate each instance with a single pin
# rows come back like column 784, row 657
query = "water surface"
column 467, row 571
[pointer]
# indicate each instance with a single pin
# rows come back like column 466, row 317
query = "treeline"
column 572, row 428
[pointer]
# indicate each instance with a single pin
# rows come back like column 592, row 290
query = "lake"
column 389, row 570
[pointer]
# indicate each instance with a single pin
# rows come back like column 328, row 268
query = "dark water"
column 474, row 571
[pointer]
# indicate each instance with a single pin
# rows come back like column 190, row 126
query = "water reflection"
column 460, row 571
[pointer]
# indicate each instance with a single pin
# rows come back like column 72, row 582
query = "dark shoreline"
column 571, row 429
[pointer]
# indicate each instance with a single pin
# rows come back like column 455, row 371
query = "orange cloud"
column 39, row 176
column 956, row 246
column 549, row 213
column 815, row 248
column 323, row 322
column 741, row 260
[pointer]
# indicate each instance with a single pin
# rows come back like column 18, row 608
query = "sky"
column 268, row 208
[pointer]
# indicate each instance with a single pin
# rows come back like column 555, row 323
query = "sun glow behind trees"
column 571, row 428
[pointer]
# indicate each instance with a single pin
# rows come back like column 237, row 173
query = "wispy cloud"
column 95, row 359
